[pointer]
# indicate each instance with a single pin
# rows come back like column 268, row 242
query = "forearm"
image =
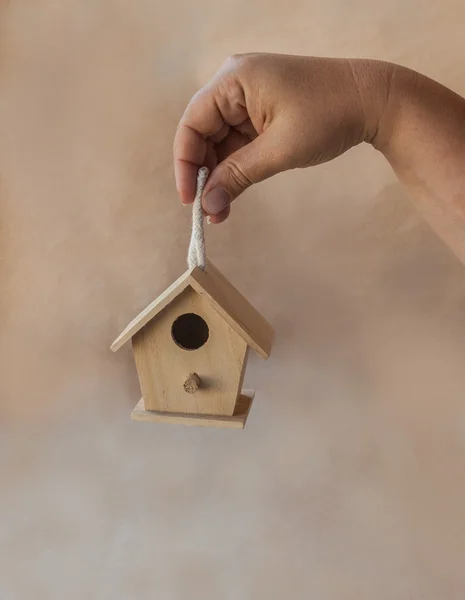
column 422, row 134
column 266, row 113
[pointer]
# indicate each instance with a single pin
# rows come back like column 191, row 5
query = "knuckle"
column 198, row 97
column 232, row 60
column 236, row 62
column 237, row 176
column 229, row 88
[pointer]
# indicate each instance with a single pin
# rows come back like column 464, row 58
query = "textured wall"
column 348, row 482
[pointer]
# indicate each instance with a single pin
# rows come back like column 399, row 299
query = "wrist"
column 373, row 80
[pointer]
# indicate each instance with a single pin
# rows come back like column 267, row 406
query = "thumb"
column 250, row 164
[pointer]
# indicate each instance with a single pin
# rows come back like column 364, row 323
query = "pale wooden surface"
column 234, row 308
column 224, row 298
column 235, row 421
column 163, row 366
column 176, row 288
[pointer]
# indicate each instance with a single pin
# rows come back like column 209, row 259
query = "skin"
column 265, row 113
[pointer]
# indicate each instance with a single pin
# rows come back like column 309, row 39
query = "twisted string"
column 196, row 256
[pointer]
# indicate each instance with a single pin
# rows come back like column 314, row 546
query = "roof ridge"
column 233, row 307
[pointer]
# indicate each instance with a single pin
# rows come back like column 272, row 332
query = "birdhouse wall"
column 163, row 366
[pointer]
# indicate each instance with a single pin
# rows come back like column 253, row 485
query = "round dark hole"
column 189, row 331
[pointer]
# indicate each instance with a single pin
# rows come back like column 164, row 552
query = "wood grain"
column 235, row 309
column 163, row 366
column 144, row 317
column 235, row 421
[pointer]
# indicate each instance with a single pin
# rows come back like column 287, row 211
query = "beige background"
column 349, row 481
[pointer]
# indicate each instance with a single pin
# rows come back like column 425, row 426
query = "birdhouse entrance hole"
column 190, row 331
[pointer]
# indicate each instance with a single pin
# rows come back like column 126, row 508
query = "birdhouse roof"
column 223, row 297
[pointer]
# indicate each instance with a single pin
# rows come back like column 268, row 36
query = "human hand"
column 266, row 113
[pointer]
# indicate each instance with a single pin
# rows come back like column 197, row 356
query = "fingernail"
column 216, row 200
column 209, row 220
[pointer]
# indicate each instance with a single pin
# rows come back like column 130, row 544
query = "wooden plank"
column 234, row 308
column 223, row 297
column 151, row 310
column 235, row 421
column 163, row 366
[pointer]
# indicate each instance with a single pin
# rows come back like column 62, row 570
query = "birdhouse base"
column 236, row 421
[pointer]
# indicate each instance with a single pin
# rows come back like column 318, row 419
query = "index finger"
column 207, row 118
column 202, row 119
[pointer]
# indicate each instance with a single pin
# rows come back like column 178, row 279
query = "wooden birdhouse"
column 190, row 347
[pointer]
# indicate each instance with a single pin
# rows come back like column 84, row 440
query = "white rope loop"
column 196, row 256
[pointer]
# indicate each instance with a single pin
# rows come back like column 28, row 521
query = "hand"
column 264, row 113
